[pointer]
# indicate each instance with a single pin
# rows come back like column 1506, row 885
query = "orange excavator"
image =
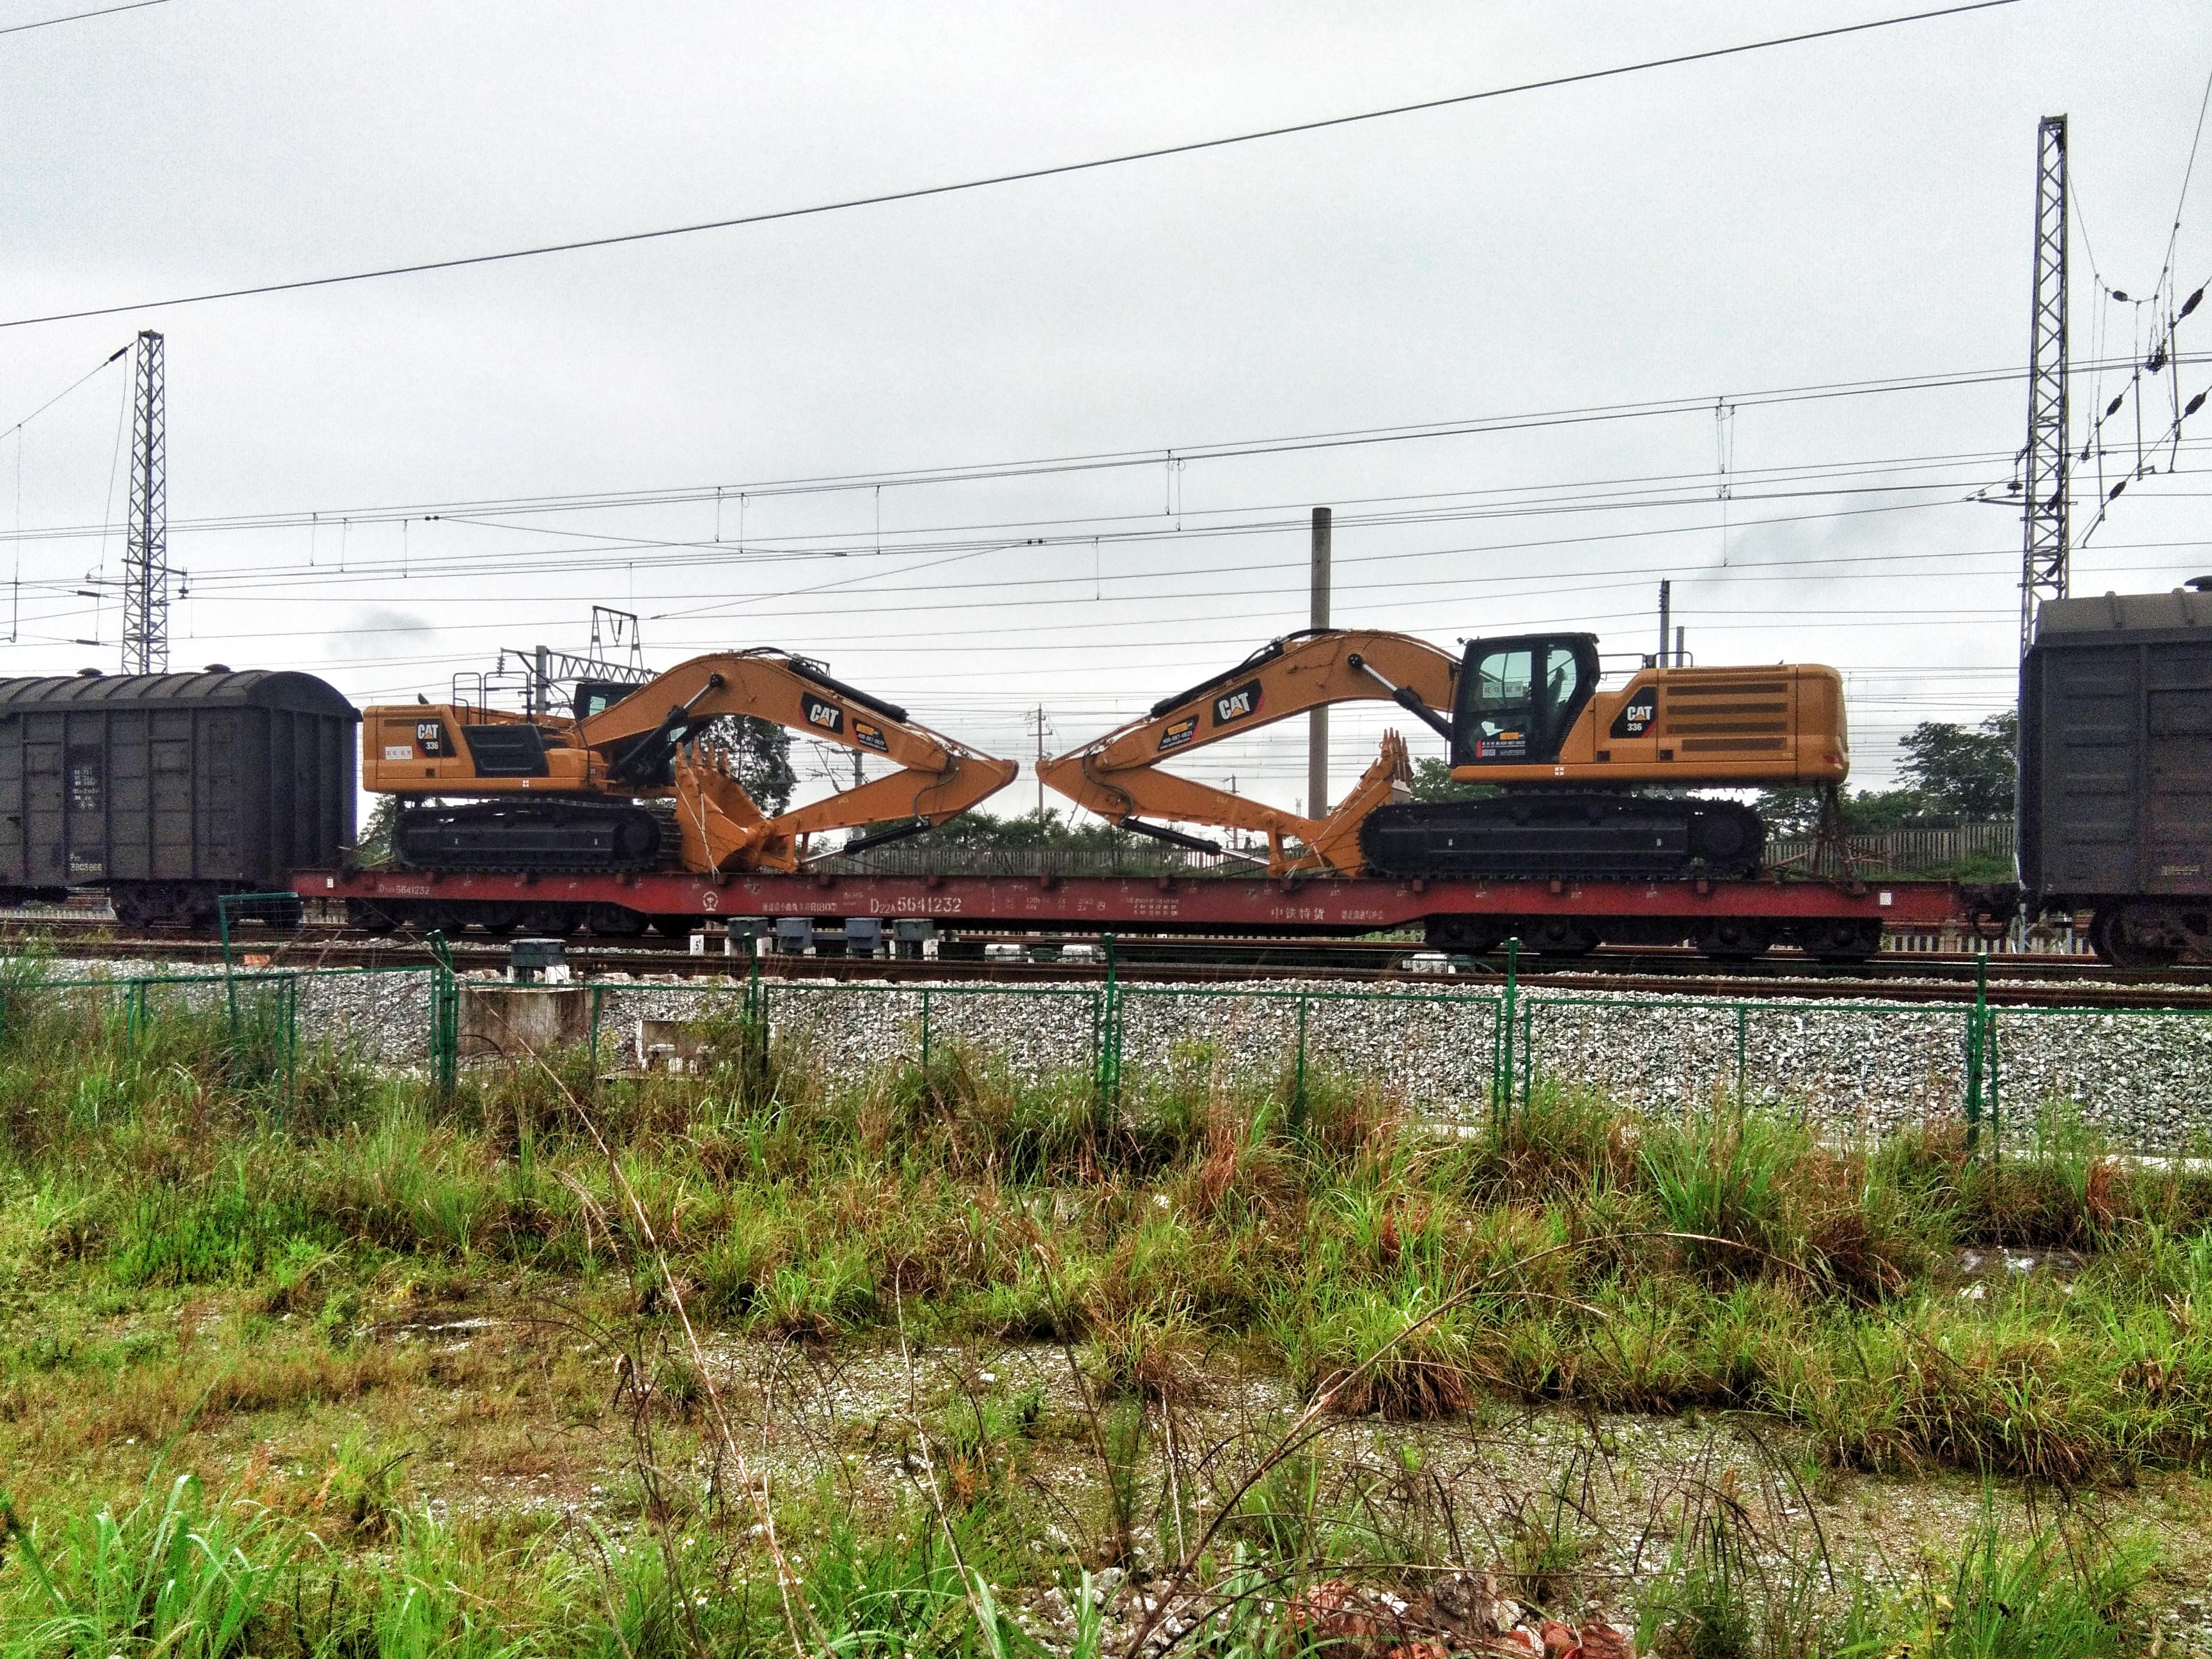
column 1582, row 779
column 492, row 790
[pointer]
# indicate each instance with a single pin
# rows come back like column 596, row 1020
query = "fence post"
column 1977, row 1029
column 924, row 1027
column 1742, row 1015
column 1528, row 1049
column 445, row 1014
column 1501, row 1083
column 753, row 993
column 1989, row 1067
column 1110, row 1030
column 1298, row 1080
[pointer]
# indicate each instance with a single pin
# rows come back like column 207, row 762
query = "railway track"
column 2024, row 982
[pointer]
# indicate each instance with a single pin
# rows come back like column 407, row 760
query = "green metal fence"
column 1863, row 1068
column 264, row 1014
column 1245, row 1035
column 1860, row 1068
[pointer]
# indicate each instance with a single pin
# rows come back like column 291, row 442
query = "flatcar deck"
column 1253, row 906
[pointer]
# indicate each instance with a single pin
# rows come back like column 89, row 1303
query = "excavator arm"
column 1119, row 776
column 656, row 735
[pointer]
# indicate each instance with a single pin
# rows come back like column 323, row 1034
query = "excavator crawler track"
column 1554, row 835
column 543, row 833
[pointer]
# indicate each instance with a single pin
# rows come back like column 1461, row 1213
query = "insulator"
column 2113, row 495
column 2113, row 407
column 2192, row 302
column 2193, row 405
column 2120, row 293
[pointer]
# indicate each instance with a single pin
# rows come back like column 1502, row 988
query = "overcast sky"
column 1846, row 210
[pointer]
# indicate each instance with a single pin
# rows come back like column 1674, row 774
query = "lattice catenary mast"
column 2045, row 543
column 146, row 540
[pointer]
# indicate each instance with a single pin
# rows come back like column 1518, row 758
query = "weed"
column 2049, row 1596
column 172, row 1574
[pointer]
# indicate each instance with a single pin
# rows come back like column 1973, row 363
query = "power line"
column 80, row 17
column 2188, row 172
column 1028, row 175
column 118, row 352
column 1698, row 404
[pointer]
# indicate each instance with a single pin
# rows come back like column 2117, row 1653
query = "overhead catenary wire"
column 1698, row 404
column 1022, row 176
column 80, row 17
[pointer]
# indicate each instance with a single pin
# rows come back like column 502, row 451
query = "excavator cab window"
column 1518, row 697
column 596, row 696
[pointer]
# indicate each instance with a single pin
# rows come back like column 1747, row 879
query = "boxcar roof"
column 2078, row 621
column 254, row 687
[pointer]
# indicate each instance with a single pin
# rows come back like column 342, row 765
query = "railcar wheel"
column 1472, row 936
column 615, row 921
column 1732, row 938
column 674, row 927
column 371, row 919
column 552, row 921
column 1559, row 936
column 1840, row 941
column 131, row 908
column 2132, row 936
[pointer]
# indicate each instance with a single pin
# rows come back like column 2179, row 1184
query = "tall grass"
column 1570, row 1253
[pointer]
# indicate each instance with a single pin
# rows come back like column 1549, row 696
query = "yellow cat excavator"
column 1581, row 773
column 541, row 792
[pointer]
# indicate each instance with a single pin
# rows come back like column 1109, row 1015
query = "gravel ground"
column 1865, row 1068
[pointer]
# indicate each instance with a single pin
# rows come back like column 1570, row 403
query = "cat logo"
column 1637, row 714
column 870, row 737
column 430, row 737
column 821, row 715
column 1178, row 734
column 1239, row 702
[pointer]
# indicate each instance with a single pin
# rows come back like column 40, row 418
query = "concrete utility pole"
column 1317, row 721
column 1043, row 726
column 2044, row 553
column 146, row 537
column 1666, row 613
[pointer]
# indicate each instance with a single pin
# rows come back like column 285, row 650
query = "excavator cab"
column 1519, row 697
column 597, row 697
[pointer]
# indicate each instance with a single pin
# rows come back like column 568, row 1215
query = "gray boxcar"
column 2115, row 770
column 170, row 790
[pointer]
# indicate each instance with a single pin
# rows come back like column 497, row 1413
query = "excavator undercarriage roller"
column 1532, row 835
column 535, row 835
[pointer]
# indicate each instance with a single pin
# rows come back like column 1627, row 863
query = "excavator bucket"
column 1333, row 843
column 723, row 827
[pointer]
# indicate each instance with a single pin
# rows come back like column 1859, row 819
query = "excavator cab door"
column 1518, row 697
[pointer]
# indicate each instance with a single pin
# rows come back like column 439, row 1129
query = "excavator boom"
column 1119, row 777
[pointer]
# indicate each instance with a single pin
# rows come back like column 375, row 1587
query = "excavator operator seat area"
column 1519, row 697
